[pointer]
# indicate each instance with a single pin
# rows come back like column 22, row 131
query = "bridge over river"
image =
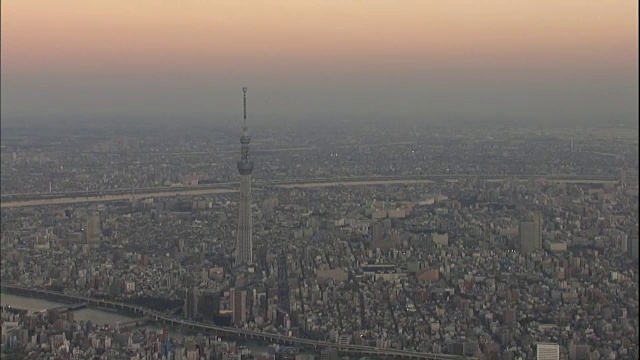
column 65, row 308
column 227, row 332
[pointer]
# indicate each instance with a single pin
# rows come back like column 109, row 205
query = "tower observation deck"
column 244, row 245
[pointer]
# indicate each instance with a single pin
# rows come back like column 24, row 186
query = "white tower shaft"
column 244, row 243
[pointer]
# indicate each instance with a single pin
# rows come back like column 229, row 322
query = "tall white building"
column 547, row 351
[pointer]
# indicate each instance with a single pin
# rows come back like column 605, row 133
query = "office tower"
column 238, row 302
column 209, row 304
column 547, row 351
column 191, row 303
column 245, row 168
column 531, row 235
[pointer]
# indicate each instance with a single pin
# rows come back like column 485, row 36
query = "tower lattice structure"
column 244, row 242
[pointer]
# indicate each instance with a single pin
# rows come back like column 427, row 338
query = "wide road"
column 229, row 187
column 108, row 198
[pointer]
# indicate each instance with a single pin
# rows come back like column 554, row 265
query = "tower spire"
column 244, row 105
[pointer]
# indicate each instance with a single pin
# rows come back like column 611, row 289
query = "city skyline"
column 433, row 180
column 569, row 61
column 435, row 244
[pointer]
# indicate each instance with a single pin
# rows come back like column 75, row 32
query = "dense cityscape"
column 319, row 180
column 432, row 241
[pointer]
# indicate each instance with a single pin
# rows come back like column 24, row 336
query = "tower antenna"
column 244, row 104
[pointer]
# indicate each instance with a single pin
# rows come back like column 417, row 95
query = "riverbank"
column 96, row 316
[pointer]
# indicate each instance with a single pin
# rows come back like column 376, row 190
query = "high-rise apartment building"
column 377, row 235
column 531, row 235
column 92, row 229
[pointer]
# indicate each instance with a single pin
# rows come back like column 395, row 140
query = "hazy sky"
column 553, row 60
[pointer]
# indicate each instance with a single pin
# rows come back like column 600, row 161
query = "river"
column 101, row 317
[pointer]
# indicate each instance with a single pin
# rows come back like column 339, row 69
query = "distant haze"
column 571, row 61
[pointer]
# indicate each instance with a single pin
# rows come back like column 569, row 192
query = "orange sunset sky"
column 562, row 60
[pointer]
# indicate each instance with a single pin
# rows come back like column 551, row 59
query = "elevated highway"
column 39, row 199
column 228, row 332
